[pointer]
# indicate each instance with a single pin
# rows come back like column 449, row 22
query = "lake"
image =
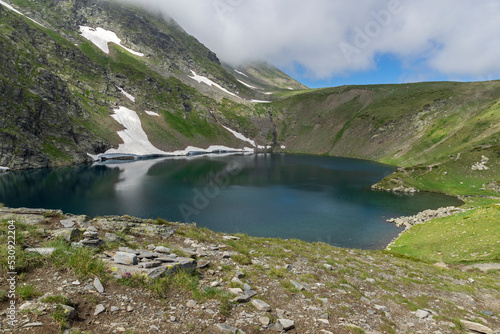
column 311, row 198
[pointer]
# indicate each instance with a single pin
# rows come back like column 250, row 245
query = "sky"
column 325, row 43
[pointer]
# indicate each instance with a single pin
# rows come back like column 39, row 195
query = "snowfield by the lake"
column 239, row 135
column 136, row 143
column 101, row 37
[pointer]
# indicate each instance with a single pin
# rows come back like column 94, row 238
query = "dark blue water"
column 288, row 196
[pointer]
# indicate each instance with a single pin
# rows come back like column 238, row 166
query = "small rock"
column 226, row 255
column 235, row 291
column 328, row 267
column 370, row 280
column 203, row 264
column 228, row 329
column 68, row 234
column 381, row 308
column 230, row 237
column 471, row 281
column 236, row 280
column 125, row 258
column 242, row 298
column 264, row 321
column 240, row 274
column 421, row 314
column 98, row 285
column 475, row 327
column 162, row 249
column 115, row 309
column 287, row 324
column 99, row 309
column 150, row 247
column 130, row 308
column 67, row 223
column 297, row 285
column 68, row 311
column 91, row 234
column 41, row 251
column 261, row 305
column 191, row 303
column 33, row 324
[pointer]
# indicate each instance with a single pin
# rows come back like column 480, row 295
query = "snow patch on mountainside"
column 6, row 5
column 239, row 136
column 241, row 73
column 101, row 37
column 129, row 96
column 207, row 81
column 151, row 113
column 135, row 140
column 244, row 83
column 260, row 101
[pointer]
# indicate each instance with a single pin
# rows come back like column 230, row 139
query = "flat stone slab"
column 67, row 223
column 287, row 324
column 162, row 249
column 99, row 309
column 261, row 305
column 125, row 258
column 147, row 255
column 475, row 327
column 41, row 251
column 422, row 314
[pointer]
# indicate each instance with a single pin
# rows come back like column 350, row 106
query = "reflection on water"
column 288, row 196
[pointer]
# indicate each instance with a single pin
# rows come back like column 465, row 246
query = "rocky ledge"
column 163, row 277
column 422, row 217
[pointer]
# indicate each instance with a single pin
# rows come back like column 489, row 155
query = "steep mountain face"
column 59, row 90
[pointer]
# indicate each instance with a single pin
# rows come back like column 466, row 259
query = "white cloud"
column 333, row 37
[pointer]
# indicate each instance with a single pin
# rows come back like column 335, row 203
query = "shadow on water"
column 288, row 196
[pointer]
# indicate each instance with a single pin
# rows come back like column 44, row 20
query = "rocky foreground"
column 172, row 278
